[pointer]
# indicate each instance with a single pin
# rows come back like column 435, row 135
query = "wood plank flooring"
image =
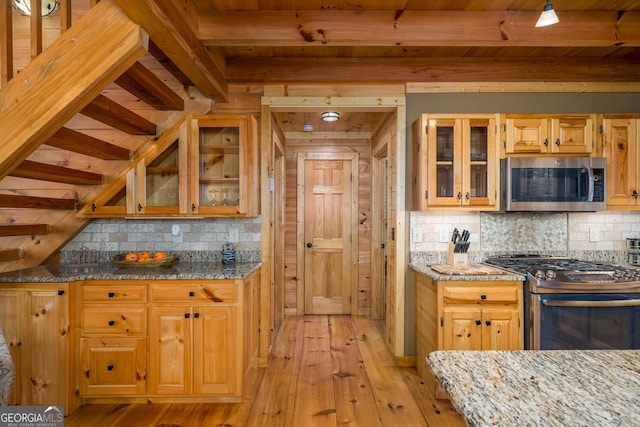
column 326, row 371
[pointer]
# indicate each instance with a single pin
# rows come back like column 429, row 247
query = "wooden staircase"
column 65, row 138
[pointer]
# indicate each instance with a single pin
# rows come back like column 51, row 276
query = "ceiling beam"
column 46, row 172
column 31, row 202
column 141, row 82
column 416, row 28
column 173, row 31
column 113, row 114
column 401, row 70
column 28, row 118
column 71, row 140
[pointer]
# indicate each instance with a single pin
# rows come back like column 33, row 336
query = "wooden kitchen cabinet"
column 201, row 342
column 206, row 166
column 620, row 143
column 465, row 315
column 554, row 135
column 113, row 338
column 39, row 333
column 455, row 161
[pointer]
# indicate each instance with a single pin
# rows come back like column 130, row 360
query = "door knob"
column 309, row 245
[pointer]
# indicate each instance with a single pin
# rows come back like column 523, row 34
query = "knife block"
column 456, row 258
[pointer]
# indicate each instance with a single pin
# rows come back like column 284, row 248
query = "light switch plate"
column 594, row 234
column 444, row 236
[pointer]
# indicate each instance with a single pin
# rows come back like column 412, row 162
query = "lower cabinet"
column 167, row 340
column 36, row 326
column 465, row 315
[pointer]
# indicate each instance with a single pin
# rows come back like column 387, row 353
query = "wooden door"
column 500, row 329
column 571, row 135
column 526, row 136
column 620, row 147
column 13, row 323
column 216, row 352
column 170, row 350
column 444, row 162
column 329, row 215
column 462, row 329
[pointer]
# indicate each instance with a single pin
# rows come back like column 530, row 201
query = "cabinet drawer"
column 114, row 320
column 117, row 292
column 112, row 366
column 480, row 295
column 222, row 292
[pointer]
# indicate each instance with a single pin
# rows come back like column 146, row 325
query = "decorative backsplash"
column 196, row 240
column 590, row 236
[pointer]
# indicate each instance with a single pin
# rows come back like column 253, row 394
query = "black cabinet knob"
column 187, row 315
column 192, row 294
column 546, row 142
column 309, row 244
column 488, row 322
column 196, row 315
column 60, row 292
column 478, row 322
column 558, row 142
column 193, row 207
column 111, row 294
column 112, row 322
column 483, row 297
column 109, row 367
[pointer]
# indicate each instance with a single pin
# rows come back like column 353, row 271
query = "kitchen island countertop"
column 541, row 388
column 426, row 270
column 53, row 273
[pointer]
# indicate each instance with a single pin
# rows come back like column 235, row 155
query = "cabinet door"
column 112, row 366
column 217, row 351
column 462, row 329
column 478, row 162
column 571, row 135
column 500, row 329
column 157, row 185
column 444, row 162
column 620, row 147
column 526, row 135
column 14, row 329
column 170, row 350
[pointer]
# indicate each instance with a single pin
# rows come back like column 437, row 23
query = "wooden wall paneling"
column 6, row 42
column 35, row 21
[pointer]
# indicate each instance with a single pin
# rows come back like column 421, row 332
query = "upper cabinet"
column 536, row 135
column 455, row 161
column 620, row 147
column 204, row 166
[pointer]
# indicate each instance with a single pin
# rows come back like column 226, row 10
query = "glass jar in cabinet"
column 223, row 157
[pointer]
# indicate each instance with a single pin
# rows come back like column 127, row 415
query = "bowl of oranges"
column 145, row 259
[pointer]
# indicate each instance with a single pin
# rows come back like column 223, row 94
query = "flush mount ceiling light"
column 307, row 127
column 330, row 116
column 24, row 6
column 548, row 16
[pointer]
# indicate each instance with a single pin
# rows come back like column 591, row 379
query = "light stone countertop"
column 549, row 388
column 55, row 273
column 427, row 271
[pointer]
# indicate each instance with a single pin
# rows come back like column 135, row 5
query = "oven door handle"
column 571, row 303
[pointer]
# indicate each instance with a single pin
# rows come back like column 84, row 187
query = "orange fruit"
column 131, row 256
column 144, row 254
column 159, row 255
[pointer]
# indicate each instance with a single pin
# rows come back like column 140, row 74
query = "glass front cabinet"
column 455, row 161
column 203, row 166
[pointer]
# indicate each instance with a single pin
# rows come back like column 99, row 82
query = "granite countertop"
column 541, row 388
column 425, row 269
column 108, row 271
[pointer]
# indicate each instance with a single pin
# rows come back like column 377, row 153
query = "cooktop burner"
column 524, row 264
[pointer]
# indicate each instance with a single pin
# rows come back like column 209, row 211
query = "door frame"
column 300, row 240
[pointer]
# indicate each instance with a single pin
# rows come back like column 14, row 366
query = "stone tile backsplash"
column 187, row 236
column 592, row 235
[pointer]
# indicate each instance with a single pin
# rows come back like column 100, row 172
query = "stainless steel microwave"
column 568, row 184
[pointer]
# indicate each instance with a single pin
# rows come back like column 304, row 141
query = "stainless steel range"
column 573, row 304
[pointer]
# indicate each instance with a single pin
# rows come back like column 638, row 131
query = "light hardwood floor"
column 326, row 371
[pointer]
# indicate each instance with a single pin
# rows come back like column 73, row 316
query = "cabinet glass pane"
column 444, row 161
column 219, row 166
column 444, row 141
column 478, row 178
column 162, row 178
column 444, row 180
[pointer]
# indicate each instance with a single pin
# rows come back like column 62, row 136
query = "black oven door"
column 586, row 321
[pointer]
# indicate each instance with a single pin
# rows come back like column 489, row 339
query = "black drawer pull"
column 186, row 315
column 478, row 322
column 192, row 294
column 112, row 322
column 196, row 315
column 111, row 294
column 60, row 292
column 109, row 367
column 483, row 297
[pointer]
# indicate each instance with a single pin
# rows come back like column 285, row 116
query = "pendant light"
column 548, row 16
column 24, row 6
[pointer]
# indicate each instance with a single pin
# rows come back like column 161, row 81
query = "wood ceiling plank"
column 399, row 70
column 416, row 28
column 45, row 172
column 27, row 118
column 142, row 83
column 113, row 114
column 173, row 30
column 30, row 202
column 10, row 255
column 71, row 140
column 168, row 64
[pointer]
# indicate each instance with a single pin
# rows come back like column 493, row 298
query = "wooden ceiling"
column 392, row 41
